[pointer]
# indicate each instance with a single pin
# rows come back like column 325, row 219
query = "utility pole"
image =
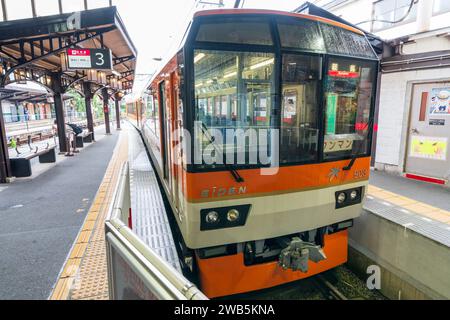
column 237, row 3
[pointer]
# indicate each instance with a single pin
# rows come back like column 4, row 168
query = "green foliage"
column 78, row 101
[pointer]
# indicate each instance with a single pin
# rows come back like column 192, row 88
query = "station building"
column 413, row 130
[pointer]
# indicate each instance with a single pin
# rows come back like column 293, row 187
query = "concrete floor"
column 41, row 218
column 431, row 194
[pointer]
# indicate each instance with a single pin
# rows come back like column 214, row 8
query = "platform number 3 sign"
column 101, row 59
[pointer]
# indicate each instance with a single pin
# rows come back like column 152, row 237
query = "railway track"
column 328, row 289
column 338, row 284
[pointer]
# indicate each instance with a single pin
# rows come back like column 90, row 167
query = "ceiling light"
column 262, row 64
column 199, row 57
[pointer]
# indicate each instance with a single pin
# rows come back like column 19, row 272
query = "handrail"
column 158, row 275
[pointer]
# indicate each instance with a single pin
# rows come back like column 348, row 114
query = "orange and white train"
column 311, row 80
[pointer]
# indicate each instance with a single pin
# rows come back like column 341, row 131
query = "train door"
column 429, row 134
column 177, row 126
column 164, row 135
column 258, row 104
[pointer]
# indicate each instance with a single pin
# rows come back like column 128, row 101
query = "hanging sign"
column 98, row 59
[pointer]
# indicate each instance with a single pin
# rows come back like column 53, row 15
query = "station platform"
column 42, row 215
column 84, row 276
column 404, row 231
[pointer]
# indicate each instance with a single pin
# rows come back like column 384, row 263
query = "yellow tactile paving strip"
column 411, row 205
column 84, row 276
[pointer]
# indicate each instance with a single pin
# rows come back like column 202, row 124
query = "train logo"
column 334, row 174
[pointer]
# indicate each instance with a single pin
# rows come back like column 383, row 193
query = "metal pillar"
column 88, row 95
column 59, row 110
column 117, row 102
column 5, row 167
column 105, row 96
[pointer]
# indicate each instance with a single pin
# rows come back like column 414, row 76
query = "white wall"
column 395, row 101
column 356, row 12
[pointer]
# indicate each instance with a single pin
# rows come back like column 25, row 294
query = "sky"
column 157, row 27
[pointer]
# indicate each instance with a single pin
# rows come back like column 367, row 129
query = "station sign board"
column 97, row 59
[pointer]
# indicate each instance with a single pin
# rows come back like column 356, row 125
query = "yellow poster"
column 429, row 148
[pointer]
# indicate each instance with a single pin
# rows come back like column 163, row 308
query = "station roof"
column 29, row 95
column 37, row 43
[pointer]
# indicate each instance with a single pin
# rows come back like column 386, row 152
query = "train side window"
column 299, row 123
column 156, row 116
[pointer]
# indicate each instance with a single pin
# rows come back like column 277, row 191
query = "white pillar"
column 424, row 14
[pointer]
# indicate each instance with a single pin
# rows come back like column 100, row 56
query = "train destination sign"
column 99, row 59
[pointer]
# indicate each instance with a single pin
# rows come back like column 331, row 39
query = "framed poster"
column 440, row 102
column 429, row 148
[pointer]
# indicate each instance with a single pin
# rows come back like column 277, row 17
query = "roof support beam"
column 121, row 60
column 32, row 98
column 54, row 52
column 59, row 110
column 5, row 12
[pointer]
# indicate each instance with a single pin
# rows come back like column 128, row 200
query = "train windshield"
column 234, row 98
column 304, row 96
column 348, row 100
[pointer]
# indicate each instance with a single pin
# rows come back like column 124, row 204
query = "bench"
column 24, row 139
column 21, row 164
column 82, row 138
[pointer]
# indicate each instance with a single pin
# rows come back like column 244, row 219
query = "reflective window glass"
column 47, row 7
column 250, row 31
column 72, row 5
column 94, row 4
column 18, row 9
column 345, row 42
column 299, row 125
column 301, row 34
column 349, row 88
column 233, row 90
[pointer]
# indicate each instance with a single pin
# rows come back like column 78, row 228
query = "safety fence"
column 135, row 271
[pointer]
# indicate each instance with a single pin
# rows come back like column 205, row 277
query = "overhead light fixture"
column 352, row 68
column 92, row 75
column 334, row 67
column 199, row 57
column 262, row 64
column 116, row 73
column 230, row 75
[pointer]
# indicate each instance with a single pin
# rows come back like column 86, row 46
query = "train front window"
column 299, row 115
column 233, row 30
column 348, row 99
column 234, row 90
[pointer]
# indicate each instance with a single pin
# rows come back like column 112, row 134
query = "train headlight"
column 224, row 217
column 346, row 198
column 212, row 217
column 233, row 215
column 341, row 198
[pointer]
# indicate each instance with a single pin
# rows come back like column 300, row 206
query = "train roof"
column 213, row 12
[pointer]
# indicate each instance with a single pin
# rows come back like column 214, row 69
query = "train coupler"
column 297, row 254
